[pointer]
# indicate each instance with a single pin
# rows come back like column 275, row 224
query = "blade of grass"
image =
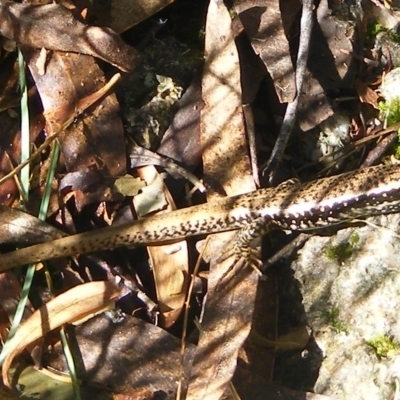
column 43, row 212
column 25, row 137
column 70, row 362
column 29, row 277
column 31, row 268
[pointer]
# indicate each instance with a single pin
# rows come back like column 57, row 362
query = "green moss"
column 334, row 321
column 374, row 28
column 232, row 13
column 397, row 146
column 384, row 346
column 390, row 111
column 354, row 239
column 342, row 251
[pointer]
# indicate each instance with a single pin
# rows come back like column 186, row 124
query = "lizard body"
column 294, row 206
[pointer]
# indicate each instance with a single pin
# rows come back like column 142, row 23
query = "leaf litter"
column 249, row 58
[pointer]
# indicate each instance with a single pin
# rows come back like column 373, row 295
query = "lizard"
column 291, row 206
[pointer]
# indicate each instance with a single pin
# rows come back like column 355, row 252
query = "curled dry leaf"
column 366, row 94
column 69, row 306
column 59, row 30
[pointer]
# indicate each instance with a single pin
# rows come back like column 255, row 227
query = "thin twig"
column 83, row 104
column 144, row 156
column 306, row 24
column 37, row 153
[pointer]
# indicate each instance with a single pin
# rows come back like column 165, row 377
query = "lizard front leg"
column 242, row 248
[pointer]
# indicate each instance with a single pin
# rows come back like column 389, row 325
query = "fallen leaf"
column 130, row 355
column 366, row 94
column 69, row 306
column 181, row 141
column 60, row 30
column 121, row 15
column 73, row 83
column 23, row 228
column 231, row 294
column 152, row 197
column 266, row 29
column 128, row 185
column 330, row 67
column 169, row 261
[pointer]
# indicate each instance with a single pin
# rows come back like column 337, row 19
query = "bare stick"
column 306, row 24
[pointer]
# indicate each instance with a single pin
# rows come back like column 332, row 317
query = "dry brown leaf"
column 121, row 15
column 366, row 94
column 181, row 141
column 87, row 186
column 330, row 67
column 140, row 394
column 71, row 84
column 138, row 355
column 231, row 294
column 20, row 227
column 10, row 125
column 223, row 135
column 148, row 361
column 10, row 291
column 265, row 28
column 59, row 30
column 170, row 265
column 69, row 306
column 152, row 197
